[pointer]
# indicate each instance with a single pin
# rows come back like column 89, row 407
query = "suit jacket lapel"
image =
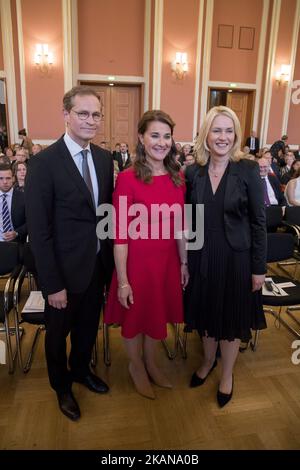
column 201, row 178
column 74, row 173
column 231, row 182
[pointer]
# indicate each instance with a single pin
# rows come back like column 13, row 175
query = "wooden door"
column 125, row 113
column 121, row 112
column 238, row 102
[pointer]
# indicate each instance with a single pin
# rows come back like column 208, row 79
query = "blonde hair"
column 201, row 150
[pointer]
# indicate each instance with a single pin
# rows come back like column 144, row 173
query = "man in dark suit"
column 123, row 157
column 64, row 185
column 12, row 208
column 273, row 196
column 253, row 143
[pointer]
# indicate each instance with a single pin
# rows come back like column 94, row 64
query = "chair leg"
column 172, row 354
column 8, row 346
column 106, row 349
column 29, row 360
column 94, row 359
column 254, row 343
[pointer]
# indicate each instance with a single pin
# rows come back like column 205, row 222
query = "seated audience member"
column 189, row 160
column 178, row 147
column 186, row 149
column 273, row 196
column 19, row 173
column 273, row 167
column 286, row 171
column 278, row 150
column 123, row 157
column 12, row 209
column 21, row 155
column 292, row 190
column 4, row 160
column 253, row 143
column 103, row 145
column 36, row 148
column 26, row 141
column 8, row 152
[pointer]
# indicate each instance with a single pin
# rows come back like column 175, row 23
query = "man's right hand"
column 58, row 300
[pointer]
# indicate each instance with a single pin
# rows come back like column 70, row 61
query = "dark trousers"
column 81, row 319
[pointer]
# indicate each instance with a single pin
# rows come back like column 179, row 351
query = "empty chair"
column 273, row 218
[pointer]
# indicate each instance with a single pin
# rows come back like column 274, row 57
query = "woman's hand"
column 184, row 276
column 125, row 295
column 257, row 281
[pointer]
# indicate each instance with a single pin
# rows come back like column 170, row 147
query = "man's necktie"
column 6, row 223
column 86, row 173
column 266, row 196
column 124, row 158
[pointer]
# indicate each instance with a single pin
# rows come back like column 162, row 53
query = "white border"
column 22, row 64
column 147, row 39
column 198, row 67
column 270, row 71
column 206, row 58
column 292, row 62
column 9, row 69
column 67, row 44
column 260, row 61
column 158, row 52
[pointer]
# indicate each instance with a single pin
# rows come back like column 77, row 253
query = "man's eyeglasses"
column 84, row 115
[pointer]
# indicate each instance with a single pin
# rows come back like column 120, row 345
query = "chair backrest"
column 292, row 215
column 273, row 217
column 280, row 246
column 9, row 257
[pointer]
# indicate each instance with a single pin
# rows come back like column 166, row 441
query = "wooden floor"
column 263, row 414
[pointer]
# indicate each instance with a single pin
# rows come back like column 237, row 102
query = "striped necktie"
column 6, row 223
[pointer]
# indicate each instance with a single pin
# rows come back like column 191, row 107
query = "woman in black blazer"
column 223, row 298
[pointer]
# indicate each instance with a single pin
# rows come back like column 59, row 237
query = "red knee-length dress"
column 153, row 265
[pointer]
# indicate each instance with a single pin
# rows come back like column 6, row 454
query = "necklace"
column 215, row 175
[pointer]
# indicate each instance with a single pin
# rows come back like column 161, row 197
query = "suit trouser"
column 81, row 319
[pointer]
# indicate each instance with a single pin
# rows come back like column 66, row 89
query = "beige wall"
column 111, row 37
column 1, row 50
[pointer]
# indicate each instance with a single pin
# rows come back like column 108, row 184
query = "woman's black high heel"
column 197, row 381
column 224, row 398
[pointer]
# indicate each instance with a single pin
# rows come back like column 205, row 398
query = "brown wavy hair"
column 141, row 167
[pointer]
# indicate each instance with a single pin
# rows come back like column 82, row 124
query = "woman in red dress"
column 151, row 264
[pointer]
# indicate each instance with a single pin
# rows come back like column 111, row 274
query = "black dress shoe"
column 93, row 383
column 196, row 381
column 68, row 405
column 224, row 398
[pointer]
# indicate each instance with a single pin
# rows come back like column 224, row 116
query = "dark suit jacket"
column 61, row 218
column 244, row 211
column 18, row 217
column 277, row 191
column 118, row 157
column 297, row 154
column 248, row 141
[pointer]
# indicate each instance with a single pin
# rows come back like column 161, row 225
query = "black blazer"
column 61, row 218
column 18, row 217
column 248, row 142
column 118, row 157
column 277, row 191
column 244, row 211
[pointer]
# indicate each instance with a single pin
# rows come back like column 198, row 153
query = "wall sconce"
column 43, row 59
column 180, row 65
column 283, row 75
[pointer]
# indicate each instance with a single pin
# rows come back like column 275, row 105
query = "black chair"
column 273, row 218
column 281, row 247
column 34, row 318
column 10, row 266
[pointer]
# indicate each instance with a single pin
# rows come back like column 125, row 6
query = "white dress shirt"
column 271, row 194
column 9, row 201
column 252, row 143
column 75, row 151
